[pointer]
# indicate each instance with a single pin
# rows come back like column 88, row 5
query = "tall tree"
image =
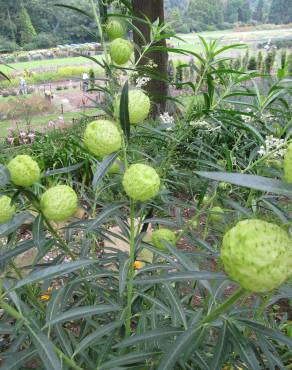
column 153, row 10
column 259, row 11
column 244, row 11
column 26, row 29
column 280, row 11
column 206, row 11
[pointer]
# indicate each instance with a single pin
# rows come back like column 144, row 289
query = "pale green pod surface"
column 24, row 171
column 7, row 210
column 287, row 165
column 163, row 234
column 217, row 214
column 115, row 29
column 121, row 51
column 102, row 137
column 139, row 106
column 59, row 203
column 141, row 182
column 257, row 254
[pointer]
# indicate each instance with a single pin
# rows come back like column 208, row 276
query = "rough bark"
column 158, row 90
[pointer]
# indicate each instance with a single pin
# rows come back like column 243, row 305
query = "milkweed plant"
column 188, row 289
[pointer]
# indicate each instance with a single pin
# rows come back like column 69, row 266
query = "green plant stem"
column 67, row 360
column 224, row 306
column 18, row 316
column 131, row 269
column 64, row 246
column 97, row 20
column 29, row 289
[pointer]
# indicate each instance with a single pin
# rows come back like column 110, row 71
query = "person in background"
column 23, row 87
column 85, row 81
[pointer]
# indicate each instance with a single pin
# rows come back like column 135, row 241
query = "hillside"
column 34, row 24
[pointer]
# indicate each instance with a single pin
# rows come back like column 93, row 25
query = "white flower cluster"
column 272, row 143
column 202, row 124
column 142, row 81
column 166, row 119
column 151, row 64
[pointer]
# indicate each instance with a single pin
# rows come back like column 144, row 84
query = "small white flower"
column 22, row 134
column 142, row 81
column 166, row 119
column 273, row 143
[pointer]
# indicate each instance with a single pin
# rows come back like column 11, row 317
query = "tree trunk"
column 158, row 90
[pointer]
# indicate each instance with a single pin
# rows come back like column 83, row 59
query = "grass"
column 39, row 122
column 252, row 38
column 46, row 64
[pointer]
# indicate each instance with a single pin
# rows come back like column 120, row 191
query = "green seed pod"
column 139, row 106
column 116, row 167
column 193, row 222
column 121, row 51
column 102, row 137
column 141, row 182
column 59, row 203
column 223, row 185
column 163, row 234
column 24, row 171
column 257, row 254
column 7, row 210
column 289, row 330
column 217, row 214
column 287, row 165
column 114, row 29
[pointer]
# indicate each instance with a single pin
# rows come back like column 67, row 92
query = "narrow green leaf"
column 250, row 181
column 124, row 110
column 152, row 336
column 94, row 337
column 244, row 348
column 15, row 223
column 189, row 338
column 63, row 170
column 45, row 349
column 176, row 304
column 268, row 332
column 124, row 269
column 38, row 232
column 81, row 312
column 19, row 249
column 17, row 360
column 102, row 169
column 53, row 272
column 133, row 358
column 4, row 176
column 181, row 276
column 219, row 354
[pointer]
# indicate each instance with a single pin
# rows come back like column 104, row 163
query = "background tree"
column 204, row 12
column 259, row 11
column 280, row 11
column 153, row 10
column 26, row 29
column 244, row 11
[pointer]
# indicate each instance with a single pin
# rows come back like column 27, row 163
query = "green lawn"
column 39, row 122
column 60, row 62
column 251, row 38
